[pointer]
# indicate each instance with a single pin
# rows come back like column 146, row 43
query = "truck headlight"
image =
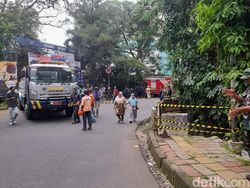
column 33, row 94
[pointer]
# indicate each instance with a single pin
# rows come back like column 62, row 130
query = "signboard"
column 79, row 76
column 68, row 58
column 8, row 76
column 38, row 44
column 108, row 70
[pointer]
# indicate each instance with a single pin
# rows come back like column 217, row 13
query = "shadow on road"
column 43, row 117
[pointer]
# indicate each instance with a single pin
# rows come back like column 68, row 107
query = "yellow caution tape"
column 174, row 128
column 195, row 124
column 191, row 130
column 193, row 106
column 235, row 130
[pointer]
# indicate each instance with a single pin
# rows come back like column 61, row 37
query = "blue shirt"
column 132, row 101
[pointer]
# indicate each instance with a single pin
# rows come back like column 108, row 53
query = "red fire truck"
column 156, row 83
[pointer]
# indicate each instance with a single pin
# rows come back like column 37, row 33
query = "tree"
column 21, row 18
column 98, row 38
column 208, row 46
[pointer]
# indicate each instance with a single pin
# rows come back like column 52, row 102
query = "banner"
column 67, row 58
column 41, row 45
column 8, row 73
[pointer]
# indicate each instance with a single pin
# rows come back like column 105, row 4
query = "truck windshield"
column 51, row 75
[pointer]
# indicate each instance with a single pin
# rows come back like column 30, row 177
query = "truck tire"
column 28, row 112
column 69, row 112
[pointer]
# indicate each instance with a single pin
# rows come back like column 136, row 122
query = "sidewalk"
column 187, row 158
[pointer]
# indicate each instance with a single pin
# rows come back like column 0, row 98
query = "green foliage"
column 21, row 18
column 101, row 37
column 208, row 46
column 222, row 24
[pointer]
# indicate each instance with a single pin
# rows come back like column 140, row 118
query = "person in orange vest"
column 92, row 105
column 86, row 105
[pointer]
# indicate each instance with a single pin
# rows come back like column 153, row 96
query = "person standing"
column 115, row 93
column 12, row 102
column 148, row 91
column 245, row 109
column 102, row 93
column 245, row 101
column 170, row 92
column 97, row 99
column 92, row 105
column 86, row 105
column 75, row 102
column 126, row 92
column 109, row 94
column 133, row 102
column 161, row 94
column 120, row 107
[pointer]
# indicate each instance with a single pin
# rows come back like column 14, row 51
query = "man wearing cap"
column 244, row 99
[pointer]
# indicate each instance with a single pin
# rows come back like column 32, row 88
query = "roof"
column 158, row 78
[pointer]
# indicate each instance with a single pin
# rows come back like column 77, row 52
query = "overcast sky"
column 54, row 35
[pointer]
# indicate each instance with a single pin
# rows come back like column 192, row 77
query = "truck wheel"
column 28, row 112
column 69, row 112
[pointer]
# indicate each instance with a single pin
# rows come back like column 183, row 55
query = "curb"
column 176, row 177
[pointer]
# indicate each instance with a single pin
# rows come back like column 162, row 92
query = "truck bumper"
column 49, row 104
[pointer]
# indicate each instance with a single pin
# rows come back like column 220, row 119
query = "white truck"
column 46, row 87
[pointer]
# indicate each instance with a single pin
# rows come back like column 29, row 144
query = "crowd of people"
column 86, row 102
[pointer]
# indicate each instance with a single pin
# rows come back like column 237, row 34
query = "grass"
column 244, row 162
column 3, row 105
column 225, row 146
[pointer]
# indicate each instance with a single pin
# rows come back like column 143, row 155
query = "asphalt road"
column 50, row 152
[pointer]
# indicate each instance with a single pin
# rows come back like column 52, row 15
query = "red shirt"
column 115, row 92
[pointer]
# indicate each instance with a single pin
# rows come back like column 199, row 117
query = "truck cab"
column 46, row 87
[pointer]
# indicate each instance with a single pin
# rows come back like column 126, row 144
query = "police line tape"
column 193, row 106
column 227, row 130
column 196, row 125
column 233, row 130
column 196, row 130
column 191, row 130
